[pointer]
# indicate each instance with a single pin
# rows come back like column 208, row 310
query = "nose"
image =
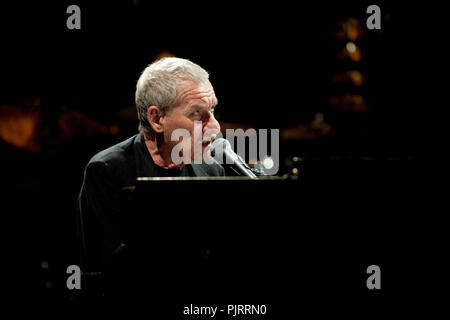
column 211, row 123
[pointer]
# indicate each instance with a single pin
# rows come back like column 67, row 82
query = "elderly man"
column 171, row 94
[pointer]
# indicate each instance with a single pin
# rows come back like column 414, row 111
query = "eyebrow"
column 196, row 106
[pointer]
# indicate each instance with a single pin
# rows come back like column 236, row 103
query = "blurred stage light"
column 351, row 47
column 268, row 163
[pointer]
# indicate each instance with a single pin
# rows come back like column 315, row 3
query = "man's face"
column 196, row 102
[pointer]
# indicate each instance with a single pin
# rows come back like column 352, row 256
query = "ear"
column 154, row 116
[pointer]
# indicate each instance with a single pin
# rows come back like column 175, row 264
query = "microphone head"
column 219, row 145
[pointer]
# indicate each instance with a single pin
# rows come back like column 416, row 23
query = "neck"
column 160, row 152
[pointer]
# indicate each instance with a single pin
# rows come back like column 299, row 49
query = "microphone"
column 222, row 147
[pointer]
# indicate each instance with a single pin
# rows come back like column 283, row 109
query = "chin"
column 205, row 149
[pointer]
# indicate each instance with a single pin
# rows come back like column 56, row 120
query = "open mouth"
column 209, row 140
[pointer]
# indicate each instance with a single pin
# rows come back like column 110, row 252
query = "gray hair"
column 157, row 86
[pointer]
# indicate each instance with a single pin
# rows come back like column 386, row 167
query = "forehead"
column 193, row 92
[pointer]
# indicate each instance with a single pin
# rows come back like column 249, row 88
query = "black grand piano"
column 284, row 242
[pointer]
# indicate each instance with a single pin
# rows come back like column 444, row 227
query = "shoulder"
column 117, row 153
column 117, row 160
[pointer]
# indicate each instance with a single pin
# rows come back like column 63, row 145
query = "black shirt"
column 102, row 217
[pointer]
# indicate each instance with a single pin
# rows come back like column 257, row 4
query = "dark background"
column 272, row 66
